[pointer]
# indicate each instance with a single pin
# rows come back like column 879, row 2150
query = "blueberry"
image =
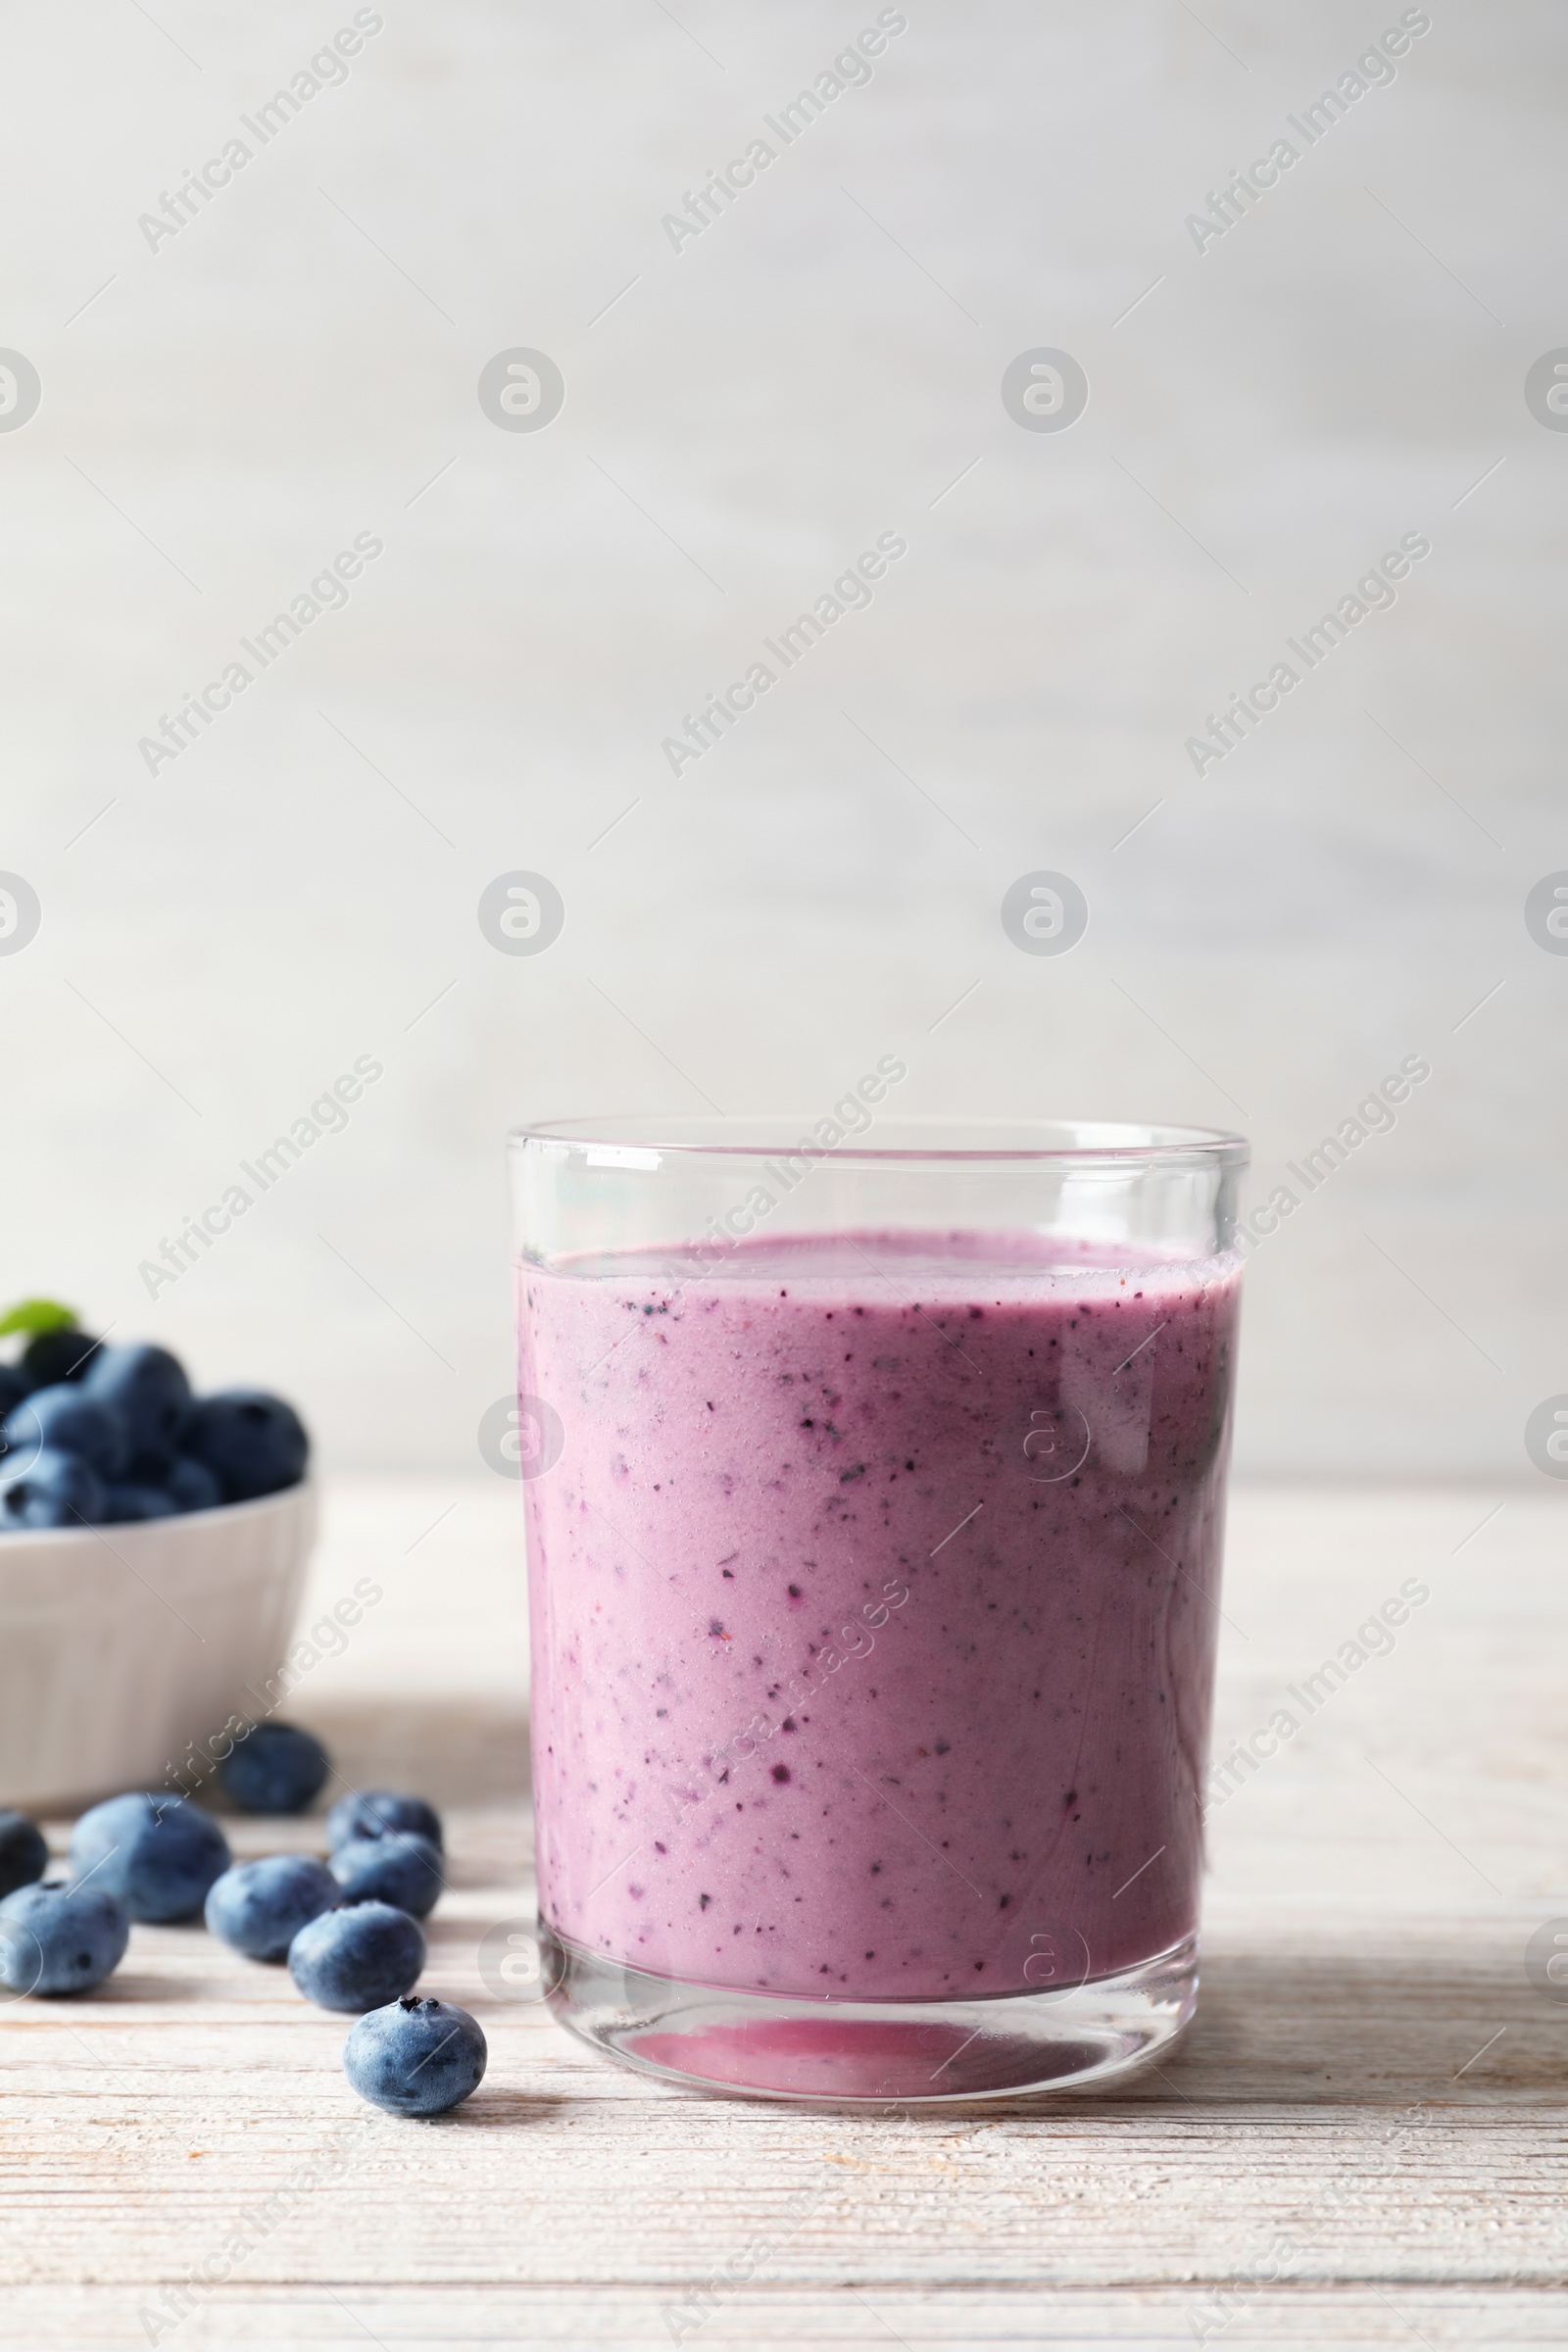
column 190, row 1485
column 147, row 1387
column 150, row 1467
column 372, row 1812
column 416, row 2057
column 68, row 1419
column 256, row 1442
column 52, row 1355
column 158, row 1854
column 260, row 1907
column 14, row 1385
column 60, row 1938
column 55, row 1490
column 124, row 1503
column 24, row 1855
column 277, row 1769
column 400, row 1868
column 357, row 1957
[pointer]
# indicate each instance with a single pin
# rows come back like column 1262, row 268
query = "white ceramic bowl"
column 120, row 1645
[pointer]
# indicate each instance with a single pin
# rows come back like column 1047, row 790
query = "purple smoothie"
column 873, row 1605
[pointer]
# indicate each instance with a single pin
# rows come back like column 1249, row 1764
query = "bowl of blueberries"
column 153, row 1548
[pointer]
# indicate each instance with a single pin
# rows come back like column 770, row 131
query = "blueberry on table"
column 401, row 1868
column 60, row 1938
column 24, row 1855
column 122, row 1505
column 416, row 2057
column 55, row 1490
column 277, row 1769
column 357, row 1957
column 147, row 1387
column 158, row 1856
column 260, row 1907
column 63, row 1354
column 376, row 1812
column 68, row 1419
column 190, row 1485
column 254, row 1442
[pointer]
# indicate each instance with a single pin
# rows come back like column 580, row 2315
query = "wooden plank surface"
column 1360, row 2140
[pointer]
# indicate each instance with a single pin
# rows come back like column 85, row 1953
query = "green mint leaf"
column 39, row 1314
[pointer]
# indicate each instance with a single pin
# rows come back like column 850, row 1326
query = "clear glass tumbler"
column 874, row 1492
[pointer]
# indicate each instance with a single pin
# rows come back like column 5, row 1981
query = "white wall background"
column 298, row 363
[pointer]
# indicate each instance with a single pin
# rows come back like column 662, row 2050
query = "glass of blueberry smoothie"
column 874, row 1475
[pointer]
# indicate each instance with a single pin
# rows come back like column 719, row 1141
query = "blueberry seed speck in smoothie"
column 874, row 1605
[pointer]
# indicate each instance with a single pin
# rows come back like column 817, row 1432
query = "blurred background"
column 206, row 398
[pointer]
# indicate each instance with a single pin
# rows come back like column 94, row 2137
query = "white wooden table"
column 1359, row 2142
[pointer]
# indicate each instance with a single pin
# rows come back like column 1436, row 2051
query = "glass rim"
column 705, row 1134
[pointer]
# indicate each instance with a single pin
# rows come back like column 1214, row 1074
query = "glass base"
column 912, row 2053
